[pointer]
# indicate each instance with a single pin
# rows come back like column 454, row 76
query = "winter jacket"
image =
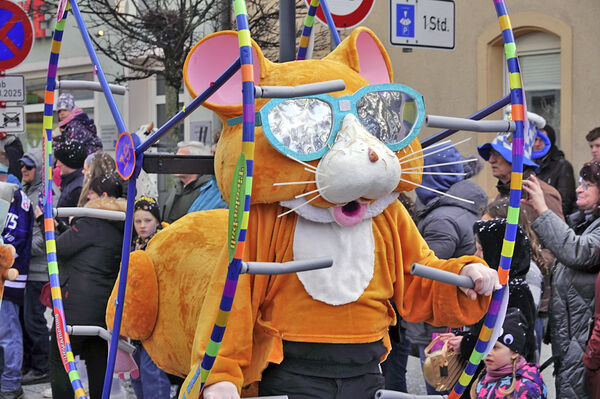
column 82, row 129
column 572, row 306
column 11, row 144
column 490, row 234
column 554, row 203
column 209, row 197
column 17, row 232
column 70, row 187
column 38, row 263
column 591, row 357
column 555, row 170
column 182, row 197
column 89, row 255
column 529, row 385
column 446, row 224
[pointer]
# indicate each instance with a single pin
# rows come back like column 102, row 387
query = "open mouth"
column 350, row 214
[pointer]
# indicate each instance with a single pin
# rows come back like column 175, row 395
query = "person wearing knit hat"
column 75, row 125
column 65, row 102
column 507, row 373
column 70, row 156
column 151, row 382
column 148, row 204
column 146, row 220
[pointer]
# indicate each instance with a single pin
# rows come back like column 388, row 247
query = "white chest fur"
column 353, row 253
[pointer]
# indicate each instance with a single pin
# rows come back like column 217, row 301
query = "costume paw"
column 485, row 279
column 221, row 390
column 141, row 298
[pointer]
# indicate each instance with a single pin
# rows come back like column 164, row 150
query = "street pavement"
column 415, row 383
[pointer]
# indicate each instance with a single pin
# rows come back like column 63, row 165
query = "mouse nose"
column 373, row 157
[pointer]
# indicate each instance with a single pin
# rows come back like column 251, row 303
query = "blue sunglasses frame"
column 338, row 116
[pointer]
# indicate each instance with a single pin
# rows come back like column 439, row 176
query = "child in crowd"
column 152, row 382
column 507, row 374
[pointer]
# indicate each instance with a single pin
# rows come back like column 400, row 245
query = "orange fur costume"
column 174, row 287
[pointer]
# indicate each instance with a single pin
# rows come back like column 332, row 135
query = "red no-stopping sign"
column 346, row 14
column 16, row 35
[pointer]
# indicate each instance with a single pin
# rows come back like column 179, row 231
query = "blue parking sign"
column 405, row 20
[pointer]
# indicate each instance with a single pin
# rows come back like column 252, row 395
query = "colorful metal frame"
column 248, row 118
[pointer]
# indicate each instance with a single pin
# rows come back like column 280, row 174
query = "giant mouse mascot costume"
column 327, row 173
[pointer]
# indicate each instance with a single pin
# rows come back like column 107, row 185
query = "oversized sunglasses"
column 305, row 128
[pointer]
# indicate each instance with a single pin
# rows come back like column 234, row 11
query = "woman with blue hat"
column 553, row 168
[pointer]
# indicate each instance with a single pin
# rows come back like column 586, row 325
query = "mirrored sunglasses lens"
column 303, row 124
column 388, row 115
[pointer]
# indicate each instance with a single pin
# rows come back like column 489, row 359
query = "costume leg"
column 361, row 387
column 11, row 341
column 277, row 381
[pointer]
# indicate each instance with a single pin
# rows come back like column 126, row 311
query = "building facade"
column 559, row 58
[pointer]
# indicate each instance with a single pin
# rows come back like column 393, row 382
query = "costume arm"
column 420, row 299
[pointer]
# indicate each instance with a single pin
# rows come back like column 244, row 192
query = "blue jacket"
column 209, row 197
column 18, row 231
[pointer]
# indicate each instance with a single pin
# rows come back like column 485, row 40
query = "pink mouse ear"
column 208, row 59
column 373, row 59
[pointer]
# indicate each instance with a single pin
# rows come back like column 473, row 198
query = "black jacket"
column 555, row 170
column 14, row 151
column 70, row 189
column 89, row 256
column 490, row 234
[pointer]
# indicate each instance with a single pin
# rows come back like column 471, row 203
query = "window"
column 539, row 59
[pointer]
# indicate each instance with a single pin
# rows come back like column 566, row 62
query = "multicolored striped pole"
column 309, row 21
column 62, row 337
column 214, row 343
column 517, row 96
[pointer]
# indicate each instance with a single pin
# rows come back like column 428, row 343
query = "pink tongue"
column 349, row 219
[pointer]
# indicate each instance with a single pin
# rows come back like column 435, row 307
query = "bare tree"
column 150, row 37
column 264, row 26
